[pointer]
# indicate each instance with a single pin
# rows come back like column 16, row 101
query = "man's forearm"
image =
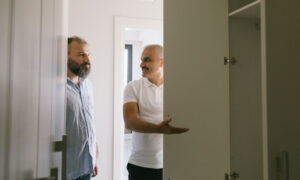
column 141, row 126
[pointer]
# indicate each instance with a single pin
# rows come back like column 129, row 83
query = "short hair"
column 75, row 39
column 158, row 49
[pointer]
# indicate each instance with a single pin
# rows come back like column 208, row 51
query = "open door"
column 200, row 94
column 196, row 89
column 34, row 46
column 52, row 155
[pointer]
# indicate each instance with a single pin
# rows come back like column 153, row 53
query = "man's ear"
column 161, row 62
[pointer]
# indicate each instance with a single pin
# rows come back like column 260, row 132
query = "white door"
column 33, row 106
column 199, row 95
column 196, row 89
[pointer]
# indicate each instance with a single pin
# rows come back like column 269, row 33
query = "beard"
column 78, row 69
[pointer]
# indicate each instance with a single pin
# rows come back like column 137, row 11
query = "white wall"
column 94, row 21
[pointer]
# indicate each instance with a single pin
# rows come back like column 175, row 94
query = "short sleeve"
column 129, row 94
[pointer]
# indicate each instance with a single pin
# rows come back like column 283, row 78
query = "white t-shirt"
column 147, row 148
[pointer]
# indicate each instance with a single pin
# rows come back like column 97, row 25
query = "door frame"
column 5, row 74
column 121, row 24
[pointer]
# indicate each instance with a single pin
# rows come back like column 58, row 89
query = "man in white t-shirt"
column 143, row 114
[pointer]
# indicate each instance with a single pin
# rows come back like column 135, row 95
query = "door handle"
column 53, row 175
column 61, row 146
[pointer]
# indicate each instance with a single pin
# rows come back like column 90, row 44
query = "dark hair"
column 75, row 39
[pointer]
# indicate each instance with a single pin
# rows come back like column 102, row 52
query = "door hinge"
column 230, row 60
column 231, row 176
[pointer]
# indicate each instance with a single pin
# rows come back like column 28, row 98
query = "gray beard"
column 77, row 69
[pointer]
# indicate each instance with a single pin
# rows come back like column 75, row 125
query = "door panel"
column 196, row 92
column 245, row 98
column 52, row 85
column 45, row 100
column 24, row 92
column 33, row 87
column 58, row 80
column 283, row 87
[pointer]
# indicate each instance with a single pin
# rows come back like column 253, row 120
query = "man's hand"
column 95, row 172
column 132, row 122
column 166, row 128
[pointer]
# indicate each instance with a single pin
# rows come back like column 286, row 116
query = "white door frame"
column 121, row 24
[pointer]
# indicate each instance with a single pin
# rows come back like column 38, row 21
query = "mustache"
column 146, row 68
column 85, row 64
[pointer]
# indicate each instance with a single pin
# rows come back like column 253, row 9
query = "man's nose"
column 142, row 64
column 87, row 59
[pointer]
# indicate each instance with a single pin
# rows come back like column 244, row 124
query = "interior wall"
column 94, row 21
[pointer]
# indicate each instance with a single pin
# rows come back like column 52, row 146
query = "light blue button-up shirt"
column 81, row 142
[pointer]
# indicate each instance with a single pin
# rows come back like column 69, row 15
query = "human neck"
column 156, row 80
column 74, row 78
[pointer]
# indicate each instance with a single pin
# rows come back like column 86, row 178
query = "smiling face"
column 151, row 63
column 78, row 59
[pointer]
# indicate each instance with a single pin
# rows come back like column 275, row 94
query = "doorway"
column 134, row 33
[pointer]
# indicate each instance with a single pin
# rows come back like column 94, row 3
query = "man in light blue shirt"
column 82, row 150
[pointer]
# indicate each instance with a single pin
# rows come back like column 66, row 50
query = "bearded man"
column 82, row 149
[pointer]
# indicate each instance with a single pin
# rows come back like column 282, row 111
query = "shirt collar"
column 147, row 83
column 80, row 80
